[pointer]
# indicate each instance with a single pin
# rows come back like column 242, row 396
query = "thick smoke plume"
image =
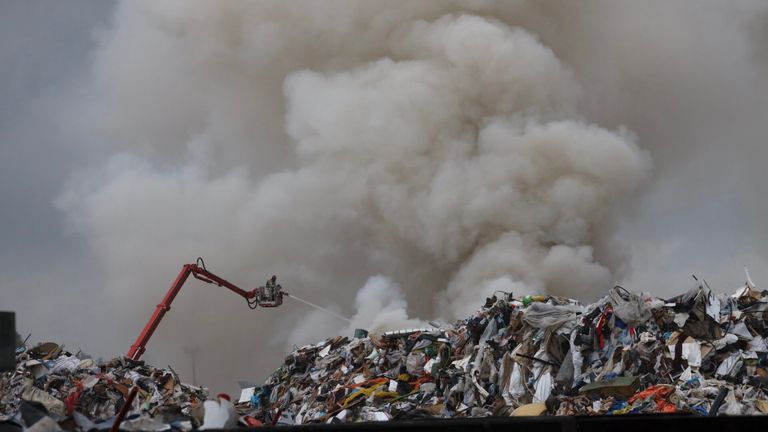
column 453, row 148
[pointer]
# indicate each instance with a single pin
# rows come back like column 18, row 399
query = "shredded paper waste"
column 697, row 353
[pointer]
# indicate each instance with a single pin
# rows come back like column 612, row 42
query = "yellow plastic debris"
column 531, row 409
column 762, row 406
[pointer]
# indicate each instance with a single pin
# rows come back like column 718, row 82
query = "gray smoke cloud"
column 448, row 155
column 398, row 161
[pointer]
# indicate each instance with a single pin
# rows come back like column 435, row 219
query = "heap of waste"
column 52, row 389
column 696, row 353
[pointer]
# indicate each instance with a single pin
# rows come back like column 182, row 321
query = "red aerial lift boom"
column 269, row 295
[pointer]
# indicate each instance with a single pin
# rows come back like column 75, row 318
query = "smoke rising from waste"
column 441, row 145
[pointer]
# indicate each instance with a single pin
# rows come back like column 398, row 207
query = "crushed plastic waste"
column 697, row 353
column 53, row 389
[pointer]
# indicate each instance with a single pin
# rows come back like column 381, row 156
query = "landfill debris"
column 628, row 353
column 219, row 414
column 52, row 389
column 531, row 409
column 697, row 353
column 624, row 386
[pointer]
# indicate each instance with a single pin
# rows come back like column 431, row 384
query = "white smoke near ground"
column 441, row 145
column 380, row 306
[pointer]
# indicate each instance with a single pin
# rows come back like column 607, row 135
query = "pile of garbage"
column 697, row 353
column 52, row 389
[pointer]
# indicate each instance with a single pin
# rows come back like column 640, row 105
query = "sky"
column 45, row 48
column 136, row 136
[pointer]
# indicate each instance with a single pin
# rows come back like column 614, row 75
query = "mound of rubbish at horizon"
column 696, row 353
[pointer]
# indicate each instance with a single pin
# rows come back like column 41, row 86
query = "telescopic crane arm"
column 270, row 295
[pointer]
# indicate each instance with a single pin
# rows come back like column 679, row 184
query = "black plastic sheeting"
column 7, row 341
column 626, row 423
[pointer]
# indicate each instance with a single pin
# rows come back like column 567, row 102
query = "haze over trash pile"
column 395, row 160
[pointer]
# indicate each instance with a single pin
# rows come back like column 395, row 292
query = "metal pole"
column 124, row 409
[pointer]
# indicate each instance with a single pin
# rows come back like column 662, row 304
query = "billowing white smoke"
column 440, row 149
column 462, row 152
column 380, row 306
